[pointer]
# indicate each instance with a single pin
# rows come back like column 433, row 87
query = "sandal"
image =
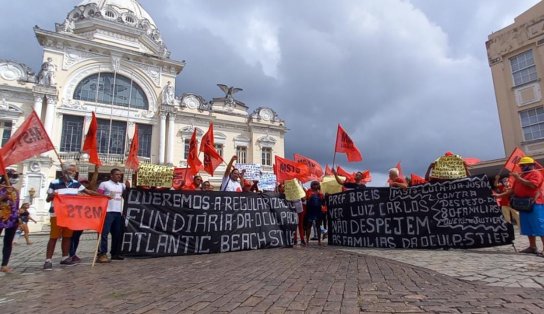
column 529, row 250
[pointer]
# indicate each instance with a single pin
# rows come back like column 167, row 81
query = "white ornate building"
column 108, row 56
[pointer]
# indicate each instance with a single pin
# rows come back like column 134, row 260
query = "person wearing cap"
column 9, row 215
column 527, row 184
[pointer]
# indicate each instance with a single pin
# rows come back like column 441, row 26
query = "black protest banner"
column 454, row 214
column 167, row 223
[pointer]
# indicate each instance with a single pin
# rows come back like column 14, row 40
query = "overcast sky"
column 407, row 79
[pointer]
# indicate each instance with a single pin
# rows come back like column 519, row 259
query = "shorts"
column 532, row 224
column 58, row 232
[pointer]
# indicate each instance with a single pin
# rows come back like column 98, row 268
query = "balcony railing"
column 107, row 159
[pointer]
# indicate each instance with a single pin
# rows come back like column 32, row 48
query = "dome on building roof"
column 122, row 6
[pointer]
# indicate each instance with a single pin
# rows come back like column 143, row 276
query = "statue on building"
column 66, row 27
column 168, row 95
column 229, row 91
column 46, row 76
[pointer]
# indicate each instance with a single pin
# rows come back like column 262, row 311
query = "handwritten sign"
column 293, row 190
column 454, row 214
column 253, row 171
column 267, row 182
column 449, row 167
column 155, row 175
column 330, row 186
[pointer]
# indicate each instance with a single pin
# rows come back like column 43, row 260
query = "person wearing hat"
column 527, row 185
column 9, row 214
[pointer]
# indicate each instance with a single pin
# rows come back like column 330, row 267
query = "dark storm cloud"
column 408, row 80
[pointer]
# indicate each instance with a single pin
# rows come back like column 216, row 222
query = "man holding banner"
column 64, row 185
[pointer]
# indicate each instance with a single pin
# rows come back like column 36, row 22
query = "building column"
column 38, row 102
column 162, row 137
column 50, row 116
column 171, row 138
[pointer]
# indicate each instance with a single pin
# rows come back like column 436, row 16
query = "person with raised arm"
column 231, row 178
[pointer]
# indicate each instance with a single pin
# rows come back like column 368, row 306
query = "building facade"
column 108, row 57
column 516, row 58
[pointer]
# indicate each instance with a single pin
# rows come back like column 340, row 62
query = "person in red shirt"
column 527, row 184
column 197, row 181
column 396, row 181
column 501, row 186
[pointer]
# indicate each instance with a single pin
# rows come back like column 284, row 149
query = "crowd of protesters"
column 311, row 208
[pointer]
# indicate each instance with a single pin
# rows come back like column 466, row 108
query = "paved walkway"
column 312, row 280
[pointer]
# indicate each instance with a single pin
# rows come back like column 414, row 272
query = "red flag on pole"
column 344, row 144
column 182, row 175
column 416, row 180
column 90, row 145
column 29, row 140
column 286, row 169
column 512, row 162
column 343, row 173
column 2, row 167
column 316, row 172
column 367, row 176
column 328, row 171
column 132, row 160
column 81, row 212
column 192, row 160
column 212, row 159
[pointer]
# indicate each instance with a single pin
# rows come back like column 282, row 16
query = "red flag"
column 192, row 160
column 367, row 176
column 181, row 175
column 416, row 180
column 90, row 146
column 316, row 172
column 29, row 140
column 132, row 160
column 350, row 177
column 512, row 162
column 344, row 144
column 212, row 159
column 2, row 167
column 286, row 169
column 401, row 174
column 328, row 171
column 80, row 212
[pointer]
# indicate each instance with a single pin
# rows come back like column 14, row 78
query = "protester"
column 314, row 214
column 299, row 209
column 24, row 218
column 501, row 186
column 396, row 181
column 206, row 186
column 230, row 181
column 358, row 184
column 9, row 208
column 196, row 185
column 76, row 234
column 114, row 221
column 66, row 184
column 526, row 185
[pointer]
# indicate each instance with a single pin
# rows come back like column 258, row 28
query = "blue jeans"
column 74, row 243
column 113, row 225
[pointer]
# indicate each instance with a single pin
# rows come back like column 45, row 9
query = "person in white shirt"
column 114, row 221
column 230, row 181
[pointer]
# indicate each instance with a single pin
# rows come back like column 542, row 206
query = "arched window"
column 117, row 88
